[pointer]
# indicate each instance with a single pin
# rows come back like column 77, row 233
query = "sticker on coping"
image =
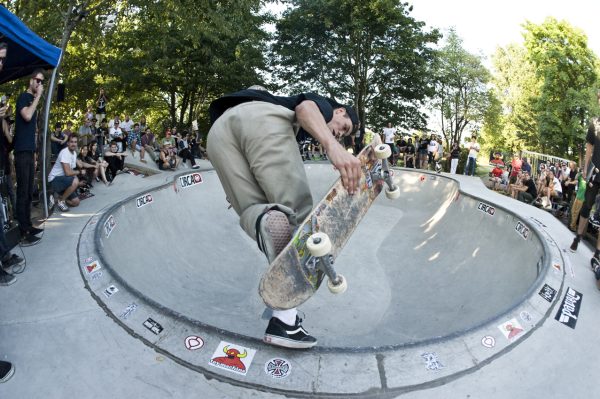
column 487, row 209
column 153, row 326
column 556, row 266
column 547, row 292
column 422, row 178
column 109, row 225
column 431, row 361
column 93, row 222
column 526, row 316
column 128, row 311
column 231, row 357
column 522, row 230
column 143, row 200
column 278, row 368
column 92, row 267
column 190, row 180
column 110, row 291
column 96, row 275
column 569, row 309
column 488, row 341
column 432, row 177
column 537, row 221
column 511, row 328
column 194, row 342
column 88, row 260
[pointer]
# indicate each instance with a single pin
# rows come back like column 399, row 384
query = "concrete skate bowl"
column 432, row 265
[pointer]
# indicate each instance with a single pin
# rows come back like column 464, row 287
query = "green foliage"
column 566, row 71
column 372, row 54
column 166, row 59
column 462, row 96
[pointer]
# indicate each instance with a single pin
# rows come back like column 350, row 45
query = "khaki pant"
column 577, row 204
column 253, row 148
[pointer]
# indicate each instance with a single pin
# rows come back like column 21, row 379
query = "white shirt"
column 473, row 150
column 433, row 146
column 557, row 186
column 390, row 133
column 64, row 156
column 126, row 125
column 115, row 132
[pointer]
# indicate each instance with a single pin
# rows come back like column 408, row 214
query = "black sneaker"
column 34, row 231
column 29, row 240
column 574, row 244
column 12, row 260
column 5, row 280
column 594, row 221
column 6, row 371
column 280, row 334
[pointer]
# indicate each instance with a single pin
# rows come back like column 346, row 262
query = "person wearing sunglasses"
column 24, row 144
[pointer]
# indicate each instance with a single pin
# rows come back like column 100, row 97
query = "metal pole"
column 44, row 142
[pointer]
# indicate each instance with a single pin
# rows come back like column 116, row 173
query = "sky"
column 485, row 25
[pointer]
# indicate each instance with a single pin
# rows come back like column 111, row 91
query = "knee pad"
column 585, row 211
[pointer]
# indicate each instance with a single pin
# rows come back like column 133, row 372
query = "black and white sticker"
column 153, row 326
column 569, row 309
column 190, row 180
column 109, row 225
column 144, row 200
column 487, row 209
column 488, row 341
column 522, row 230
column 547, row 292
column 278, row 368
column 110, row 291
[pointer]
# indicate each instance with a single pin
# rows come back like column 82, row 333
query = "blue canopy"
column 26, row 50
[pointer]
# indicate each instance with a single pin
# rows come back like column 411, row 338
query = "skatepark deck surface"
column 434, row 278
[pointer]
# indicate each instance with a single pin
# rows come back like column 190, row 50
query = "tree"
column 372, row 54
column 462, row 96
column 516, row 86
column 566, row 71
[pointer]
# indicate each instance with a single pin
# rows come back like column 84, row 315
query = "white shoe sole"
column 287, row 343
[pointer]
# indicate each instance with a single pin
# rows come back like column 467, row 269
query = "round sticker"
column 488, row 341
column 278, row 368
column 194, row 342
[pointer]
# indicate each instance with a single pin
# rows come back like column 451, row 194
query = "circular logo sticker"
column 194, row 342
column 488, row 341
column 422, row 178
column 278, row 368
column 525, row 316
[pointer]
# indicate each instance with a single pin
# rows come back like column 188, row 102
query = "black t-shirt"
column 25, row 131
column 220, row 105
column 455, row 153
column 592, row 138
column 410, row 149
column 531, row 189
column 101, row 108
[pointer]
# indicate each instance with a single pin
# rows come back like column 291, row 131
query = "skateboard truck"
column 319, row 246
column 383, row 152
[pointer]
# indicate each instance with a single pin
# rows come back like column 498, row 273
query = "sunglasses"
column 39, row 81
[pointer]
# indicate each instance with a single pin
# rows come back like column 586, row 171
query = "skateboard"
column 298, row 271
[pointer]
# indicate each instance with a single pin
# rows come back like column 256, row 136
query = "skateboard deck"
column 293, row 277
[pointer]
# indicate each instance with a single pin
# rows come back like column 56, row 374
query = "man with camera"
column 26, row 125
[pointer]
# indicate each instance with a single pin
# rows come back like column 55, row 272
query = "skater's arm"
column 310, row 119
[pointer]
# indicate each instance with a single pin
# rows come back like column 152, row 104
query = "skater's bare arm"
column 310, row 119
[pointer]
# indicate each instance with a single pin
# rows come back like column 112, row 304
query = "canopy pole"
column 45, row 139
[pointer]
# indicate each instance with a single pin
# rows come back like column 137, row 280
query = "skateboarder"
column 592, row 158
column 252, row 145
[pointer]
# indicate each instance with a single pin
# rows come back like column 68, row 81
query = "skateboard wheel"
column 392, row 194
column 338, row 288
column 383, row 151
column 319, row 244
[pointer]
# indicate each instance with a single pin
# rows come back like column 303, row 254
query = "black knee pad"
column 585, row 211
